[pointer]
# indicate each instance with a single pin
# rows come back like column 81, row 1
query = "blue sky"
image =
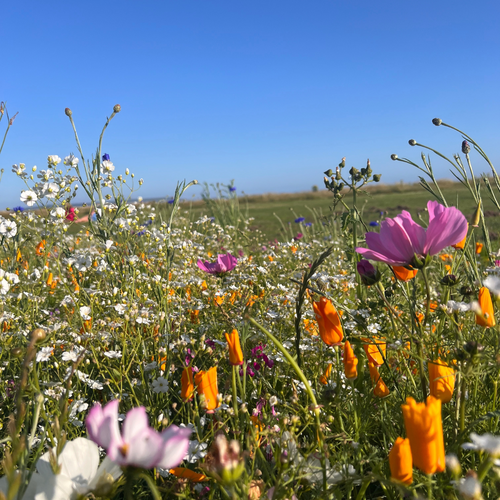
column 269, row 93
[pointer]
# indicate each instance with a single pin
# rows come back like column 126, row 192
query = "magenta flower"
column 225, row 262
column 402, row 241
column 138, row 445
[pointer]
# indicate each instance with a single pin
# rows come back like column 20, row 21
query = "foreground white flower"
column 487, row 442
column 80, row 473
column 29, row 197
column 492, row 283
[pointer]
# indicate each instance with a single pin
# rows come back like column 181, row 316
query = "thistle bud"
column 117, row 108
column 437, row 121
column 412, row 142
column 342, row 163
column 394, row 157
column 68, row 112
column 465, row 147
column 327, row 184
column 353, row 171
column 338, row 175
column 449, row 280
column 477, row 215
column 377, row 177
column 329, row 172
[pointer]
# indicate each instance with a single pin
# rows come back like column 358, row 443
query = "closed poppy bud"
column 187, row 384
column 350, row 362
column 380, row 390
column 424, row 428
column 206, row 385
column 18, row 255
column 235, row 353
column 479, row 248
column 330, row 328
column 488, row 317
column 403, row 274
column 442, row 381
column 49, row 280
column 401, row 462
column 324, row 378
column 375, row 350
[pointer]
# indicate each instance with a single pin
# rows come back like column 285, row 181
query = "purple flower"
column 138, row 445
column 210, row 343
column 308, row 224
column 232, row 189
column 300, row 219
column 402, row 241
column 105, row 157
column 299, row 235
column 374, row 223
column 369, row 274
column 171, row 201
column 18, row 209
column 225, row 262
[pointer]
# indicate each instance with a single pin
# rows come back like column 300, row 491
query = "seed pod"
column 394, row 157
column 16, row 352
column 412, row 142
column 38, row 335
column 437, row 121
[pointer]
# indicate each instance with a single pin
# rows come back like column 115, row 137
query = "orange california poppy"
column 187, row 383
column 206, row 385
column 486, row 304
column 330, row 327
column 350, row 362
column 380, row 390
column 424, row 428
column 401, row 461
column 479, row 248
column 235, row 352
column 375, row 350
column 442, row 380
column 403, row 274
column 185, row 473
column 323, row 379
column 40, row 248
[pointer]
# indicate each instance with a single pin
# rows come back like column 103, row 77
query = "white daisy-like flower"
column 53, row 160
column 8, row 228
column 487, row 442
column 50, row 190
column 470, row 488
column 107, row 166
column 492, row 283
column 85, row 313
column 71, row 160
column 44, row 354
column 160, row 385
column 29, row 197
column 113, row 354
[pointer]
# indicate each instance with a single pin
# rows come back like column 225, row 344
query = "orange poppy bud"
column 330, row 328
column 235, row 352
column 479, row 248
column 185, row 473
column 18, row 255
column 375, row 350
column 403, row 274
column 380, row 390
column 488, row 318
column 442, row 380
column 49, row 280
column 424, row 428
column 206, row 385
column 324, row 378
column 350, row 362
column 187, row 385
column 401, row 461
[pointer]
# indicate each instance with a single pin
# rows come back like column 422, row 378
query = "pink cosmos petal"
column 175, row 446
column 370, row 254
column 228, row 261
column 102, row 423
column 221, row 264
column 415, row 232
column 434, row 208
column 445, row 229
column 225, row 263
column 396, row 239
column 135, row 423
column 144, row 450
column 375, row 243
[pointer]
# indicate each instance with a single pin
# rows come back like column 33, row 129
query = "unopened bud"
column 465, row 147
column 329, row 172
column 117, row 108
column 38, row 335
column 412, row 142
column 437, row 121
column 68, row 112
column 342, row 163
column 368, row 273
column 377, row 177
column 477, row 215
column 394, row 157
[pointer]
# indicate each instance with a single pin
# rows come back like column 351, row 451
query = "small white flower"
column 113, row 354
column 160, row 385
column 71, row 160
column 53, row 160
column 107, row 166
column 487, row 442
column 29, row 197
column 8, row 228
column 85, row 313
column 50, row 190
column 492, row 283
column 44, row 354
column 470, row 488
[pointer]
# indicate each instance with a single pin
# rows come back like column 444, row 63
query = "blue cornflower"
column 374, row 223
column 309, row 224
column 170, row 201
column 300, row 219
column 18, row 209
column 232, row 188
column 148, row 223
column 141, row 233
column 105, row 157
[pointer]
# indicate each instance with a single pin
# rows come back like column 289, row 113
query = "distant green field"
column 390, row 199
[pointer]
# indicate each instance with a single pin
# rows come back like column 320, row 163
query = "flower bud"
column 465, row 147
column 477, row 215
column 437, row 121
column 412, row 142
column 68, row 112
column 449, row 280
column 394, row 157
column 38, row 335
column 377, row 177
column 369, row 274
column 16, row 352
column 342, row 163
column 117, row 108
column 329, row 172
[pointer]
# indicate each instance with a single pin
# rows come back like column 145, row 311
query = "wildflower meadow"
column 149, row 353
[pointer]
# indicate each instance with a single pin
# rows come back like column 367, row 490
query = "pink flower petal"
column 175, row 446
column 446, row 228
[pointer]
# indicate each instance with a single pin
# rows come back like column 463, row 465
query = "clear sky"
column 269, row 93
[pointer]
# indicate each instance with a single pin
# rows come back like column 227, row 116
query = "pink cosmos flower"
column 138, row 445
column 225, row 262
column 402, row 241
